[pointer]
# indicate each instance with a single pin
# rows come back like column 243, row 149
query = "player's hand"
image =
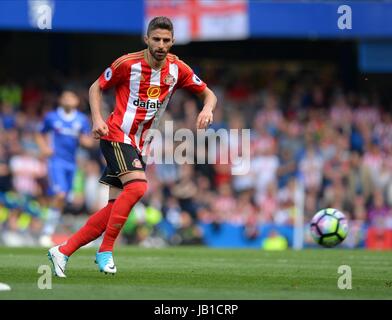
column 100, row 129
column 204, row 119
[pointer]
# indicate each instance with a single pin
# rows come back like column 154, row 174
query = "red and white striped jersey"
column 142, row 94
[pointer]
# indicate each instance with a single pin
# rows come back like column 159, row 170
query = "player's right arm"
column 42, row 139
column 111, row 77
column 100, row 127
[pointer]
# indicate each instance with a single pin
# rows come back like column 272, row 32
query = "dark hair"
column 70, row 88
column 160, row 23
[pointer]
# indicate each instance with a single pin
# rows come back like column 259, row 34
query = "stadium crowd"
column 313, row 145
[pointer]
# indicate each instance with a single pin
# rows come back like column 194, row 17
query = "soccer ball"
column 329, row 227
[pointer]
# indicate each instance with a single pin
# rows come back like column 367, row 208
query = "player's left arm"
column 206, row 116
column 191, row 82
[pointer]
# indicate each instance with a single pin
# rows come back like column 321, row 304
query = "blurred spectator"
column 379, row 212
column 5, row 172
column 274, row 242
column 26, row 171
column 359, row 178
column 224, row 205
column 185, row 189
column 11, row 94
column 311, row 169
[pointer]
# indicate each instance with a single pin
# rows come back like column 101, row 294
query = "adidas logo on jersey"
column 149, row 104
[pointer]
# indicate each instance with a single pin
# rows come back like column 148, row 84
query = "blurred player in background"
column 60, row 134
column 144, row 82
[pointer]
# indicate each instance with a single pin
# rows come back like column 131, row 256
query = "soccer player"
column 60, row 134
column 144, row 82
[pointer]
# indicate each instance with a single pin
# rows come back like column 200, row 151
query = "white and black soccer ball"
column 329, row 227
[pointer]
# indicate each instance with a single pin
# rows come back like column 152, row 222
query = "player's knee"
column 136, row 188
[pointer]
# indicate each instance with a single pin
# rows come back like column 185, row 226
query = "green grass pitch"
column 202, row 273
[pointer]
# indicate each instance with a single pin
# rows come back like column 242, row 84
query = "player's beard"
column 158, row 57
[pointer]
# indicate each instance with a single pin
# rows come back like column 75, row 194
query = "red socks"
column 110, row 218
column 93, row 228
column 132, row 192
